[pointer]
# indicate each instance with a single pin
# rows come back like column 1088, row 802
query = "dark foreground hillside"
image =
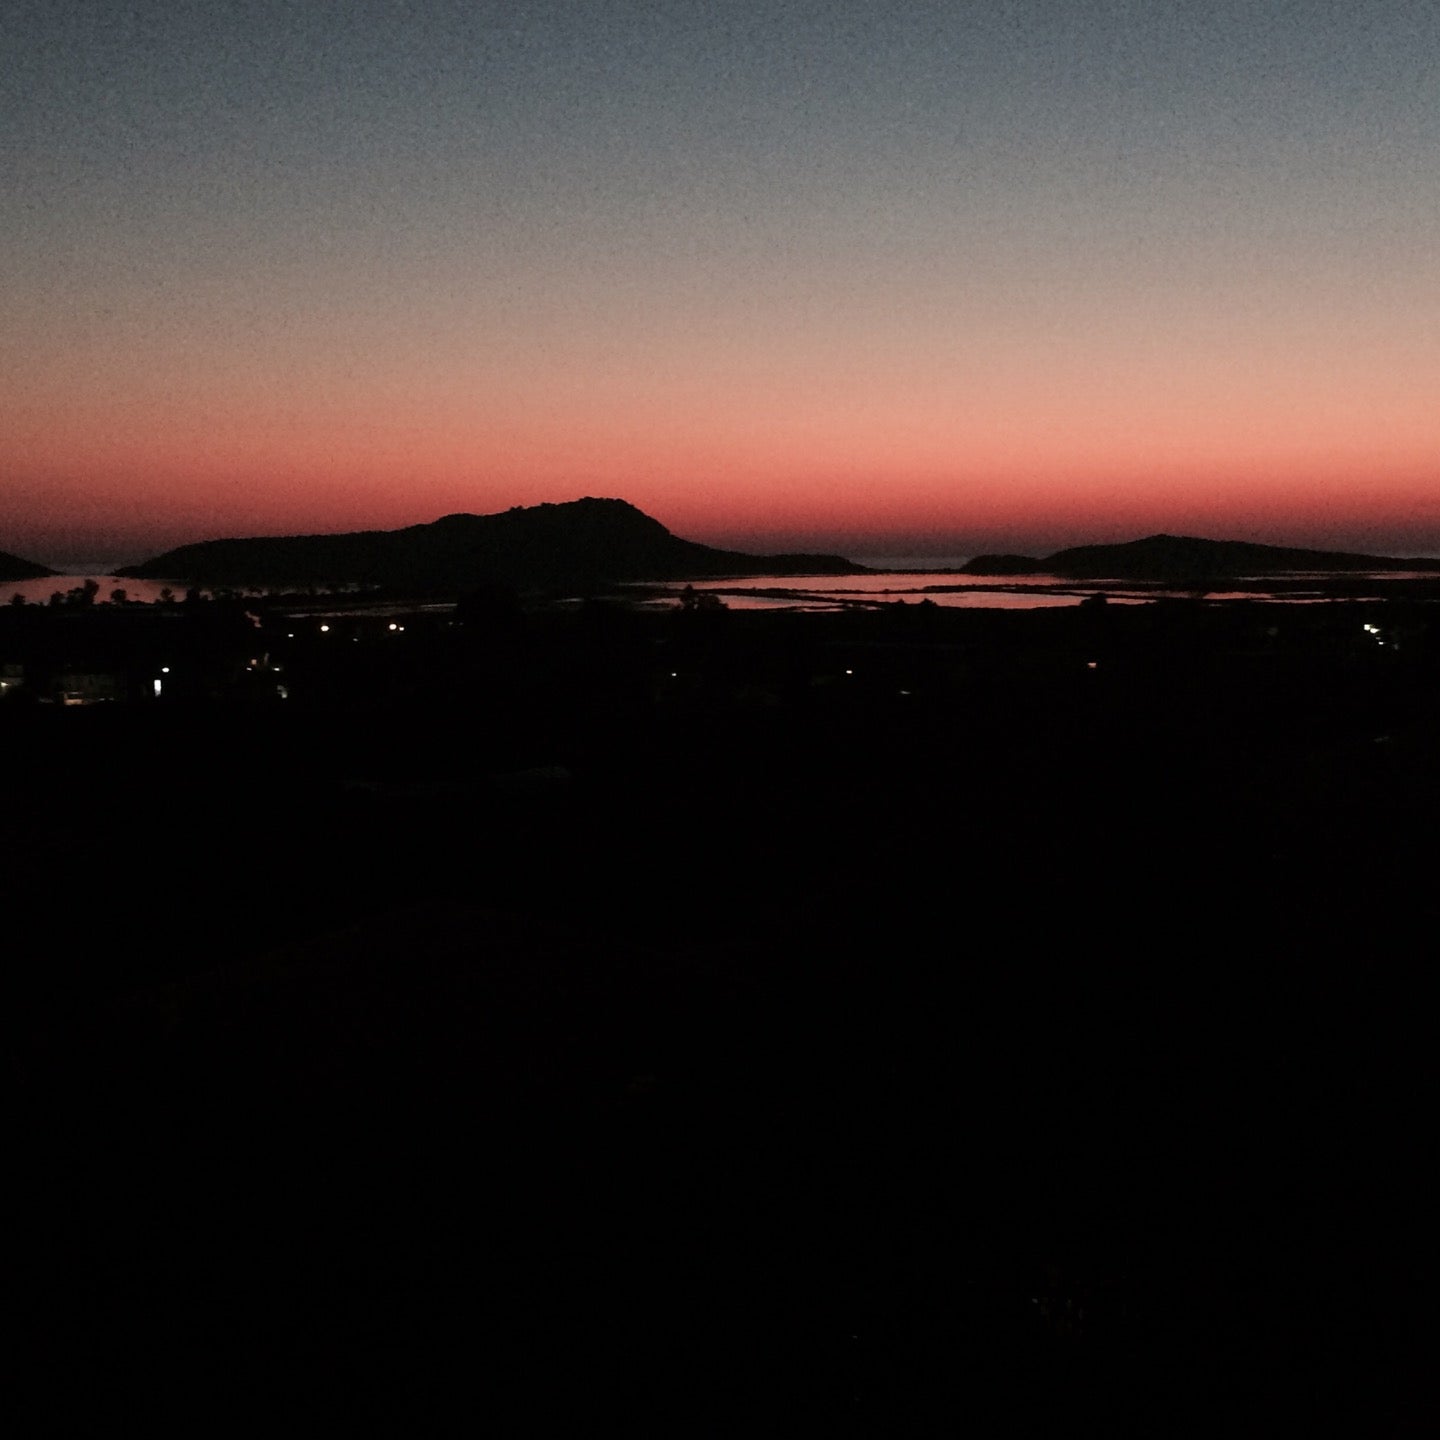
column 718, row 1024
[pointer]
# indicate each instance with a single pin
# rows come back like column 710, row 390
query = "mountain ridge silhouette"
column 16, row 567
column 1185, row 557
column 577, row 543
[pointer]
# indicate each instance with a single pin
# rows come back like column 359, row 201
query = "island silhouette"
column 576, row 543
column 13, row 567
column 581, row 544
column 1185, row 557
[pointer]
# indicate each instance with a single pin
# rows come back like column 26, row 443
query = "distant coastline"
column 584, row 546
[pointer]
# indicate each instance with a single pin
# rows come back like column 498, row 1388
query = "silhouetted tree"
column 700, row 602
column 17, row 598
column 119, row 596
column 81, row 594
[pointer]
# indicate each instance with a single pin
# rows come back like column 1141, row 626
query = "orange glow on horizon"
column 859, row 456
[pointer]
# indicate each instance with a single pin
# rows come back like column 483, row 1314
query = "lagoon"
column 949, row 588
column 38, row 592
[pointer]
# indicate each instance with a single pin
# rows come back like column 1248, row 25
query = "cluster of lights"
column 325, row 630
column 1373, row 630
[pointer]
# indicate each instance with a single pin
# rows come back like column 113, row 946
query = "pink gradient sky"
column 881, row 296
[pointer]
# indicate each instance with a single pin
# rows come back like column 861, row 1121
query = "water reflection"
column 820, row 593
column 948, row 588
column 38, row 592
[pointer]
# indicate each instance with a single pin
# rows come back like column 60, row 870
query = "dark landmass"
column 1003, row 565
column 1181, row 558
column 12, row 567
column 579, row 545
column 896, row 1022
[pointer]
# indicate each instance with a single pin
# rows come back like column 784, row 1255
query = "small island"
column 1183, row 558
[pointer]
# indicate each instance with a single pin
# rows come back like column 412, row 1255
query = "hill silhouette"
column 578, row 543
column 1184, row 557
column 12, row 567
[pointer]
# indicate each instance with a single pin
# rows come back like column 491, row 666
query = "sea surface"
column 1020, row 592
column 939, row 585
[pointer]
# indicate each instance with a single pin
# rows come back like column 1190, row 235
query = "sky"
column 919, row 278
